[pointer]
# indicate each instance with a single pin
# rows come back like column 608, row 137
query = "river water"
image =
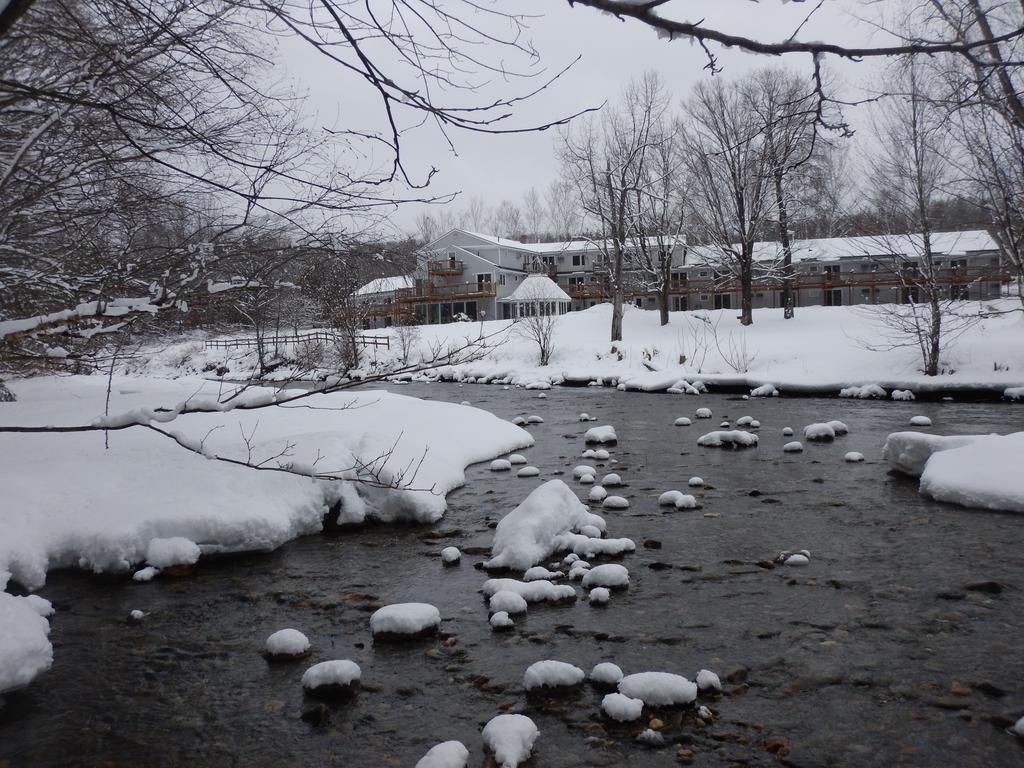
column 900, row 643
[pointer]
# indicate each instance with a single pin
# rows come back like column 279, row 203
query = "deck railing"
column 313, row 337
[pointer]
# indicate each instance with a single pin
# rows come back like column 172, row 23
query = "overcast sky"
column 612, row 53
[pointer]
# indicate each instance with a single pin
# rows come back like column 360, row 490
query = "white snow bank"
column 863, row 392
column 530, row 533
column 734, row 438
column 902, row 394
column 67, row 501
column 605, row 434
column 985, row 474
column 405, row 619
column 510, row 738
column 1014, row 393
column 908, row 452
column 447, row 754
column 287, row 642
column 610, row 575
column 552, row 674
column 658, row 688
column 177, row 550
column 622, row 708
column 25, row 649
column 765, row 390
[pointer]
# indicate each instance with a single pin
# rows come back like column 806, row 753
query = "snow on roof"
column 561, row 246
column 538, row 288
column 386, row 285
column 835, row 248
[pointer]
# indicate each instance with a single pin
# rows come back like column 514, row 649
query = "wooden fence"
column 314, row 337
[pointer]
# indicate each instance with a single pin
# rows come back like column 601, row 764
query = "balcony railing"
column 447, row 267
column 456, row 291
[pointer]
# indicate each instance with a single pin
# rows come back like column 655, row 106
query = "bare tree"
column 476, row 214
column 538, row 318
column 533, row 213
column 731, row 185
column 563, row 212
column 605, row 161
column 507, row 220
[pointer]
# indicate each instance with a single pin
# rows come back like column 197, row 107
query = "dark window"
column 723, row 301
column 834, row 298
column 579, row 260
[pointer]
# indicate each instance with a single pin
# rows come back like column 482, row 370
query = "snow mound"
column 601, row 454
column 450, row 555
column 1018, row 727
column 734, row 438
column 532, row 591
column 501, row 465
column 510, row 738
column 587, row 546
column 658, row 688
column 838, row 427
column 177, row 550
column 583, row 469
column 985, row 474
column 794, row 447
column 145, row 574
column 447, row 754
column 615, row 502
column 695, row 482
column 920, row 421
column 819, row 432
column 611, row 480
column 501, row 620
column 682, row 421
column 765, row 390
column 287, row 643
column 590, row 531
column 597, row 435
column 796, row 559
column 854, row 457
column 534, row 420
column 507, row 601
column 686, row 501
column 708, row 681
column 669, row 498
column 908, row 452
column 528, row 472
column 610, row 575
column 540, row 572
column 585, row 417
column 517, row 458
column 25, row 650
column 597, row 493
column 606, row 673
column 622, row 708
column 1014, row 393
column 332, row 678
column 552, row 674
column 787, row 431
column 405, row 619
column 587, row 480
column 902, row 394
column 40, row 605
column 864, row 392
column 530, row 533
column 744, row 421
column 703, row 413
column 598, row 596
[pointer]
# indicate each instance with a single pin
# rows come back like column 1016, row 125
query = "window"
column 702, row 273
column 723, row 301
column 834, row 298
column 548, row 261
column 501, row 278
column 579, row 260
column 576, row 280
column 484, row 280
column 679, row 304
column 958, row 264
column 831, row 269
column 703, row 297
column 960, row 292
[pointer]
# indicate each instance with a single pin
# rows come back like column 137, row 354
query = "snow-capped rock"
column 287, row 644
column 501, row 465
column 703, row 413
column 516, row 458
column 552, row 674
column 794, row 447
column 920, row 421
column 447, row 754
column 902, row 394
column 599, row 596
column 338, row 678
column 510, row 738
column 622, row 708
column 597, row 493
column 853, row 456
column 765, row 390
column 601, row 435
column 695, row 482
column 528, row 472
column 501, row 620
column 605, row 674
column 708, row 681
column 507, row 601
column 735, row 438
column 532, row 591
column 658, row 688
column 450, row 555
column 682, row 421
column 611, row 480
column 610, row 575
column 405, row 620
column 819, row 432
column 615, row 502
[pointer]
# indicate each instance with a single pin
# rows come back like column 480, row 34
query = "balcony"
column 446, row 267
column 453, row 292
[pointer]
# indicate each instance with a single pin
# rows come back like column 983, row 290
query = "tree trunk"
column 934, row 335
column 617, row 314
column 663, row 302
column 787, row 250
column 747, row 285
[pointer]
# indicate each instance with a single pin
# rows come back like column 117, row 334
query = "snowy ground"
column 824, row 349
column 68, row 501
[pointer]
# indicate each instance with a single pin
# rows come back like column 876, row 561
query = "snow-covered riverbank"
column 69, row 501
column 822, row 351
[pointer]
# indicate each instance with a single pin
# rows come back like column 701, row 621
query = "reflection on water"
column 892, row 648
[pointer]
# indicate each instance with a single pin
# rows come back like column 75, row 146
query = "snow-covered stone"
column 838, row 427
column 552, row 674
column 605, row 434
column 853, row 457
column 794, row 447
column 532, row 591
column 735, row 438
column 601, row 454
column 534, row 419
column 765, row 390
column 501, row 465
column 686, row 501
column 145, row 574
column 611, row 480
column 25, row 650
column 796, row 559
column 528, row 472
column 902, row 394
column 605, row 674
column 447, row 754
column 610, row 575
column 501, row 620
column 985, row 474
column 708, row 681
column 539, row 572
column 597, row 493
column 532, row 531
column 863, row 392
column 401, row 620
column 584, row 416
column 682, row 421
column 744, row 421
column 615, row 502
column 703, row 413
column 908, row 452
column 338, row 678
column 599, row 596
column 658, row 688
column 507, row 601
column 669, row 498
column 510, row 738
column 787, row 431
column 583, row 469
column 450, row 555
column 695, row 482
column 819, row 432
column 920, row 421
column 587, row 480
column 651, row 738
column 287, row 644
column 622, row 708
column 516, row 458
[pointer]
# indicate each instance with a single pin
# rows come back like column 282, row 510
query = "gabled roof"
column 386, row 285
column 537, row 288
